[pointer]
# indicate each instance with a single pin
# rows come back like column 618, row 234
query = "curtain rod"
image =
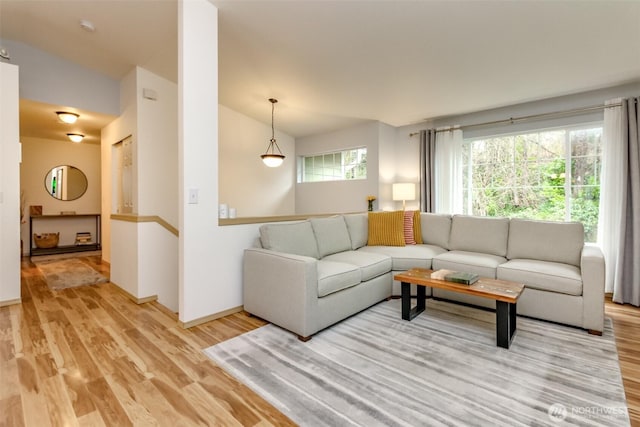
column 513, row 120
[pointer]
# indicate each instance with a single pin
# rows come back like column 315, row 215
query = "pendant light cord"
column 273, row 133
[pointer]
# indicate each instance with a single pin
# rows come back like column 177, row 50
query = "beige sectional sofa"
column 309, row 275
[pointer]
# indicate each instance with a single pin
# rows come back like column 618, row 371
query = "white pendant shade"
column 272, row 160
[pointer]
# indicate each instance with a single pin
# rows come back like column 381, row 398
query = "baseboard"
column 209, row 318
column 135, row 298
column 10, row 302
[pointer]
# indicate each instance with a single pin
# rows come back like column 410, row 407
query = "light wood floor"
column 89, row 356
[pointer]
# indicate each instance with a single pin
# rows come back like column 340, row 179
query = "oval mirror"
column 65, row 182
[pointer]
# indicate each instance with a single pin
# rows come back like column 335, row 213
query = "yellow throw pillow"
column 417, row 228
column 386, row 228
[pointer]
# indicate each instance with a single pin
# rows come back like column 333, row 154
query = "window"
column 552, row 175
column 335, row 166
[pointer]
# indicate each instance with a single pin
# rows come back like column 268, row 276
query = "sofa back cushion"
column 358, row 226
column 386, row 228
column 546, row 241
column 487, row 235
column 292, row 238
column 435, row 229
column 331, row 234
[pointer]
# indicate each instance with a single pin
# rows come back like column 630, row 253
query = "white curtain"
column 620, row 201
column 448, row 172
column 612, row 192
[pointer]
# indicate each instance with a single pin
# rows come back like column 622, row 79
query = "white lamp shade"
column 404, row 191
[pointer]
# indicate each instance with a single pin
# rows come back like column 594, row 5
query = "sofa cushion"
column 546, row 241
column 386, row 228
column 543, row 275
column 407, row 257
column 482, row 264
column 371, row 264
column 336, row 276
column 331, row 235
column 358, row 226
column 486, row 235
column 292, row 238
column 435, row 229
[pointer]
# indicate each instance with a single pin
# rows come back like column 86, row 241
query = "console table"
column 96, row 245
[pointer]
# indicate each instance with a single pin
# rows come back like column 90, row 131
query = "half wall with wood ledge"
column 144, row 258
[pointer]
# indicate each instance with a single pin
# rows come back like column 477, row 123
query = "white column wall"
column 209, row 269
column 9, row 185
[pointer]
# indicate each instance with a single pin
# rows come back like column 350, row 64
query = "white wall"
column 38, row 157
column 550, row 105
column 125, row 125
column 125, row 258
column 144, row 256
column 158, row 264
column 245, row 182
column 9, row 185
column 53, row 80
column 157, row 147
column 339, row 196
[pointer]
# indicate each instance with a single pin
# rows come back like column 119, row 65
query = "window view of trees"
column 336, row 166
column 552, row 175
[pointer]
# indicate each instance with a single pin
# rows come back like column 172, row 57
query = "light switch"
column 193, row 196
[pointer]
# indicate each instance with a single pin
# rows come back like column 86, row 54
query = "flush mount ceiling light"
column 271, row 158
column 75, row 137
column 67, row 117
column 87, row 25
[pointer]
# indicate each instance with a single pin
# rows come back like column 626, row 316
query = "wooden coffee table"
column 504, row 293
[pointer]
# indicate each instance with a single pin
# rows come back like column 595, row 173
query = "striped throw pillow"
column 409, row 238
column 386, row 228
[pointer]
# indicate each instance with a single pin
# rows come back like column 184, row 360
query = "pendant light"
column 270, row 157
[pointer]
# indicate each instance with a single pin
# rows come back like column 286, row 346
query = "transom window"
column 334, row 166
column 552, row 175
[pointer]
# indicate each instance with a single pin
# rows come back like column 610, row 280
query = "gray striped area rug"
column 442, row 368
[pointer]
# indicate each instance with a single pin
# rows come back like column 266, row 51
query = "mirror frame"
column 81, row 187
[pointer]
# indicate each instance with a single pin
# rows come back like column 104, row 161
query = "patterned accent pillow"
column 386, row 228
column 408, row 228
column 417, row 228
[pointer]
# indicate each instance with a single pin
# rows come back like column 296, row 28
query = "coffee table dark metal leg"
column 409, row 313
column 505, row 323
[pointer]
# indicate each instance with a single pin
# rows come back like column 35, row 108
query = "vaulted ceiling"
column 332, row 64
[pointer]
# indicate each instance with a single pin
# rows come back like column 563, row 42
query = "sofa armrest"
column 281, row 288
column 592, row 270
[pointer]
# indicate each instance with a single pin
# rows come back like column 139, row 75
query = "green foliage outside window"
column 552, row 175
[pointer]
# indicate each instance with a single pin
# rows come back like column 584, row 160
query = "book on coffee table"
column 462, row 277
